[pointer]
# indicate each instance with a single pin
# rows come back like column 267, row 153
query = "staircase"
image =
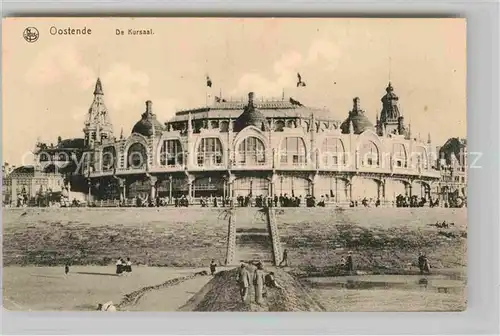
column 253, row 241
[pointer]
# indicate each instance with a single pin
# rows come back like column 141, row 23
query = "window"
column 399, row 155
column 251, row 151
column 108, row 158
column 209, row 152
column 279, row 125
column 332, row 152
column 137, row 156
column 369, row 154
column 293, row 151
column 171, row 153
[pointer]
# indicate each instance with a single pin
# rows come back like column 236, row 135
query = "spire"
column 283, row 95
column 98, row 87
column 428, row 138
column 376, row 119
column 409, row 131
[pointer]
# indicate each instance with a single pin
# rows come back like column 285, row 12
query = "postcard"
column 234, row 164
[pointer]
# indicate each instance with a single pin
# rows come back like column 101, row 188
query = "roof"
column 73, row 143
column 148, row 125
column 251, row 116
column 454, row 146
column 274, row 108
column 23, row 170
column 358, row 119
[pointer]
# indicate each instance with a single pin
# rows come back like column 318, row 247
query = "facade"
column 26, row 185
column 258, row 147
column 452, row 164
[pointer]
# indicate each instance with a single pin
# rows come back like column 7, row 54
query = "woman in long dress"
column 119, row 266
column 128, row 266
column 258, row 283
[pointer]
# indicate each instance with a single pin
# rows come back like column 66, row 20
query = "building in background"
column 259, row 148
column 452, row 164
column 230, row 149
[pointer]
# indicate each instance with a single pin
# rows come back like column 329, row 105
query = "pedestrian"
column 271, row 281
column 108, row 307
column 285, row 258
column 128, row 266
column 244, row 282
column 343, row 262
column 349, row 263
column 258, row 283
column 423, row 264
column 66, row 269
column 119, row 266
column 213, row 267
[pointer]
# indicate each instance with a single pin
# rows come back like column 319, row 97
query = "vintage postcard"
column 234, row 164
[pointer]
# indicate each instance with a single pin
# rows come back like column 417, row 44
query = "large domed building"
column 259, row 147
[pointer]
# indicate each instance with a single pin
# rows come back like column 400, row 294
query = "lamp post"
column 170, row 189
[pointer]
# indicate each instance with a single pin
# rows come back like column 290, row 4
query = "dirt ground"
column 47, row 288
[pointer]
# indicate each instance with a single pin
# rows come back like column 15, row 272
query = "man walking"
column 244, row 282
column 284, row 260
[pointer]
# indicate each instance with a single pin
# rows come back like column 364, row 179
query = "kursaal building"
column 257, row 147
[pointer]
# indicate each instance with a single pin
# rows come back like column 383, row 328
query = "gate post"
column 231, row 239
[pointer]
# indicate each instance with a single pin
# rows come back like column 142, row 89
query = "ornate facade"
column 258, row 147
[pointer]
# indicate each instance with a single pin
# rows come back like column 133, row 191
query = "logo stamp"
column 31, row 34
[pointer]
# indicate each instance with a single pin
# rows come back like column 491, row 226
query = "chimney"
column 355, row 105
column 250, row 98
column 149, row 107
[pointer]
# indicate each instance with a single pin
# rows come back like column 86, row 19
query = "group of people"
column 123, row 267
column 260, row 281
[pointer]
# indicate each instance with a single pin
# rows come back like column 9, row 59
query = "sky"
column 48, row 85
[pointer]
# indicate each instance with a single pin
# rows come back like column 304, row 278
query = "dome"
column 73, row 143
column 358, row 120
column 148, row 125
column 251, row 117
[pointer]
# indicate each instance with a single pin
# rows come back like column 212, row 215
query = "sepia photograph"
column 234, row 164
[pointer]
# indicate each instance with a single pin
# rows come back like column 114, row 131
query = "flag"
column 295, row 102
column 299, row 80
column 209, row 82
column 217, row 99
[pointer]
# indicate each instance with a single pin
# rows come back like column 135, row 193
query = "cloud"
column 321, row 53
column 58, row 64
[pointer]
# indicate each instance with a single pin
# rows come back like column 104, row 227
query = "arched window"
column 421, row 158
column 332, row 152
column 209, row 152
column 399, row 155
column 251, row 151
column 137, row 156
column 293, row 152
column 108, row 158
column 369, row 154
column 171, row 153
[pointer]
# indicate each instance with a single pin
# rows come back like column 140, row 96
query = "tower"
column 98, row 125
column 390, row 116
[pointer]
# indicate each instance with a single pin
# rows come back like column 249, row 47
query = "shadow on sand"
column 95, row 273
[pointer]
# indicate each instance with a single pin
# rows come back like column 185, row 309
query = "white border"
column 482, row 314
